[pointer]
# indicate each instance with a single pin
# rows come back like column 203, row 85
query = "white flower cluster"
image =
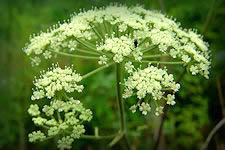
column 103, row 60
column 149, row 81
column 62, row 116
column 71, row 114
column 116, row 28
column 120, row 47
column 54, row 80
column 144, row 108
column 171, row 39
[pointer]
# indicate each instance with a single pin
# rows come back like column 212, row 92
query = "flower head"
column 70, row 117
column 118, row 33
column 120, row 47
column 150, row 81
column 54, row 80
column 62, row 116
column 144, row 108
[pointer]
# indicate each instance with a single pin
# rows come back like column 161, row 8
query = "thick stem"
column 121, row 107
column 119, row 96
column 161, row 62
column 159, row 133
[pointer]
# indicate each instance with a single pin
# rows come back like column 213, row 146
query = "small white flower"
column 36, row 136
column 158, row 110
column 150, row 80
column 65, row 143
column 103, row 60
column 129, row 67
column 144, row 108
column 34, row 110
column 170, row 99
column 133, row 108
column 56, row 79
column 194, row 70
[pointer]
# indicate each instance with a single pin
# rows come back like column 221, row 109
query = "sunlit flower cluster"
column 114, row 29
column 68, row 125
column 120, row 47
column 110, row 35
column 149, row 81
column 54, row 80
column 62, row 117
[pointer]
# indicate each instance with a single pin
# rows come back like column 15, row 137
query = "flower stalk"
column 161, row 62
column 75, row 56
column 97, row 70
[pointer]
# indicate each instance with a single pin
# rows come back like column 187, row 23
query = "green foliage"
column 187, row 121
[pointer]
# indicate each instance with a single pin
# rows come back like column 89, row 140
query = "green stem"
column 89, row 46
column 119, row 95
column 121, row 108
column 96, row 32
column 59, row 117
column 144, row 40
column 151, row 47
column 86, row 51
column 106, row 27
column 161, row 62
column 86, row 44
column 75, row 56
column 97, row 70
column 155, row 56
column 116, row 139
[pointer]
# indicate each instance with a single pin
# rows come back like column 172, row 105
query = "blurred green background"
column 198, row 108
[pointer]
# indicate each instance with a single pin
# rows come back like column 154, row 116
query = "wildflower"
column 56, row 79
column 63, row 115
column 194, row 69
column 36, row 136
column 144, row 108
column 170, row 99
column 111, row 32
column 77, row 131
column 158, row 110
column 120, row 47
column 39, row 121
column 34, row 110
column 65, row 143
column 150, row 81
column 133, row 108
column 48, row 110
column 103, row 60
column 129, row 67
column 117, row 34
column 69, row 117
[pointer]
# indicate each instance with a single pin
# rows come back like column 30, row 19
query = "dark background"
column 198, row 107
